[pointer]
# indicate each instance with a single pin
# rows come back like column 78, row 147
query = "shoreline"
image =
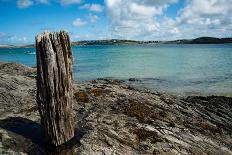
column 113, row 117
column 138, row 83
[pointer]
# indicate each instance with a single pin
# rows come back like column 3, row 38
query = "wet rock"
column 133, row 79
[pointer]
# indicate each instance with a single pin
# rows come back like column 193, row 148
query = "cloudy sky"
column 21, row 20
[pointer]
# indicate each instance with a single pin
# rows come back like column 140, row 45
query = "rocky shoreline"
column 112, row 117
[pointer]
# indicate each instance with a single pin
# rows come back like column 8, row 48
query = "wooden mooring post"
column 54, row 86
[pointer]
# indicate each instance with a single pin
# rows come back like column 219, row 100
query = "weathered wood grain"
column 54, row 86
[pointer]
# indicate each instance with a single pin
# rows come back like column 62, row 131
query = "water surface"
column 179, row 69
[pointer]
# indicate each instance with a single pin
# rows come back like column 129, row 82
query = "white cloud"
column 92, row 7
column 153, row 2
column 197, row 9
column 6, row 38
column 93, row 18
column 146, row 19
column 28, row 3
column 4, row 35
column 69, row 2
column 43, row 1
column 208, row 17
column 24, row 3
column 135, row 18
column 78, row 22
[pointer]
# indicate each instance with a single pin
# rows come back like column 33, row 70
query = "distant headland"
column 200, row 40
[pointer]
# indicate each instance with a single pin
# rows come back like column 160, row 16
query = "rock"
column 133, row 79
column 112, row 119
column 16, row 69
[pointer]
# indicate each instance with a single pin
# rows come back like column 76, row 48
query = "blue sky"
column 21, row 20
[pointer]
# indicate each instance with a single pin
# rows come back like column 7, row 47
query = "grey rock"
column 111, row 119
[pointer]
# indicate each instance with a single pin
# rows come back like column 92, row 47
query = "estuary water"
column 178, row 69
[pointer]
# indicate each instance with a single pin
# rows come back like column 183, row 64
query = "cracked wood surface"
column 54, row 86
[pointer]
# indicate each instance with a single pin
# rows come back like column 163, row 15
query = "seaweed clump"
column 143, row 135
column 81, row 96
column 98, row 92
column 137, row 110
column 144, row 113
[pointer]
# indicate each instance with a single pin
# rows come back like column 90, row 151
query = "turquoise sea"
column 179, row 69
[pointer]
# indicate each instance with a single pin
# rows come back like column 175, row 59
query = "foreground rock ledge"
column 114, row 118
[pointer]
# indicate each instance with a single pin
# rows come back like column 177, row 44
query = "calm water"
column 181, row 69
